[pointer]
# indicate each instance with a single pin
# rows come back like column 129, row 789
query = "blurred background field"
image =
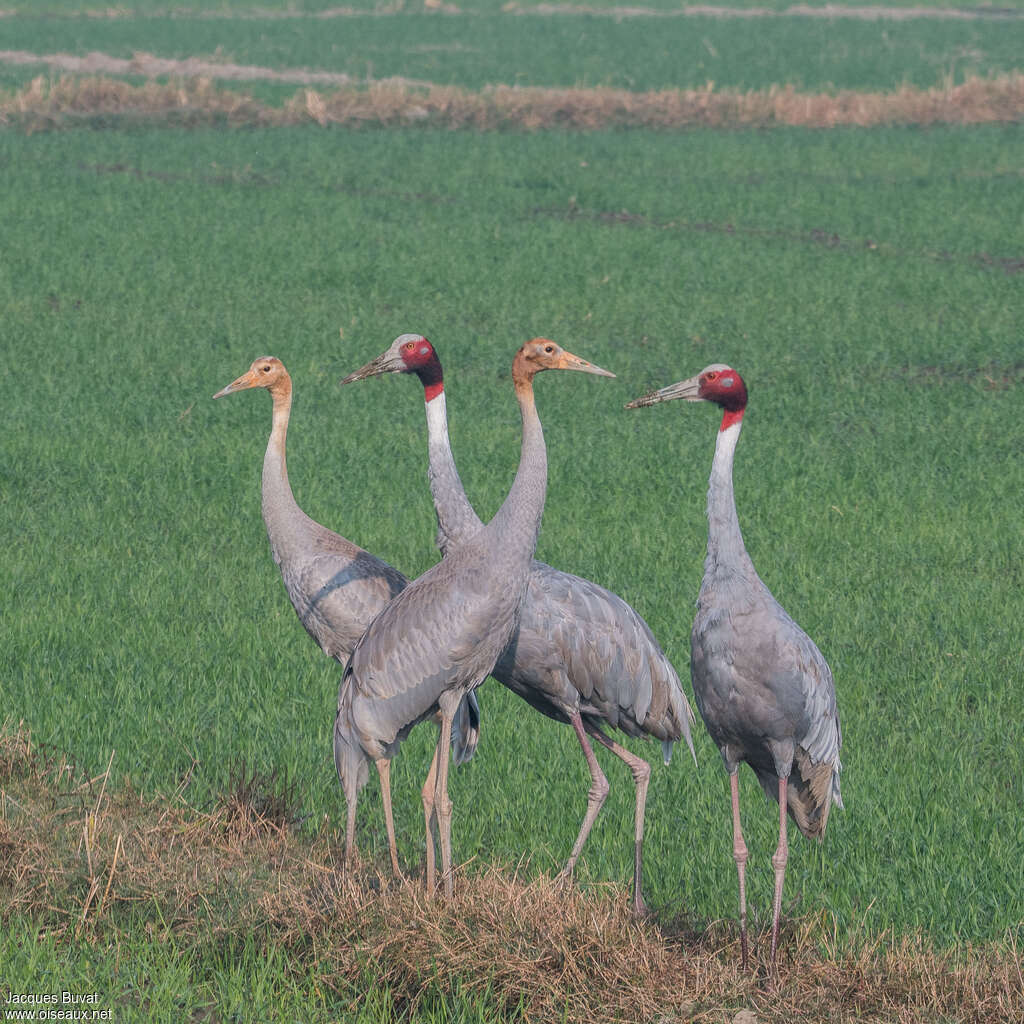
column 483, row 46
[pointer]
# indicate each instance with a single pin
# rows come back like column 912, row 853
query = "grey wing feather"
column 336, row 597
column 466, row 729
column 801, row 665
column 609, row 654
column 822, row 739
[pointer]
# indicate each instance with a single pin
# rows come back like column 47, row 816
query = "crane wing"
column 801, row 664
column 609, row 654
column 336, row 596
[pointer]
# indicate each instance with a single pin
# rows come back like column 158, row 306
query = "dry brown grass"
column 91, row 861
column 46, row 103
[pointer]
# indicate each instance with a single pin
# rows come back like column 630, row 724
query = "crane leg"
column 739, row 853
column 641, row 772
column 384, row 771
column 779, row 860
column 427, row 793
column 351, row 796
column 443, row 804
column 595, row 797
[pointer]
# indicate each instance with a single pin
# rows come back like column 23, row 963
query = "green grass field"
column 866, row 283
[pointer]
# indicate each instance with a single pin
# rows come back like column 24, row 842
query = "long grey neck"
column 726, row 552
column 281, row 514
column 456, row 519
column 516, row 524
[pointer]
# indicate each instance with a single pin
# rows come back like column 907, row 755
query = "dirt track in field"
column 148, row 66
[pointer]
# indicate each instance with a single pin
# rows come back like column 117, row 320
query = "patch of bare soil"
column 194, row 98
column 89, row 860
column 147, row 65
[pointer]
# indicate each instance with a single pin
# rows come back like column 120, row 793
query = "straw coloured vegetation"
column 169, row 812
column 233, row 890
column 44, row 104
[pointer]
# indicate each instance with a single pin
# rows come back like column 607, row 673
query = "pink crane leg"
column 595, row 797
column 779, row 860
column 427, row 793
column 739, row 853
column 384, row 771
column 351, row 797
column 443, row 804
column 641, row 772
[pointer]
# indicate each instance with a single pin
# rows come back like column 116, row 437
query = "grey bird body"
column 768, row 702
column 580, row 655
column 763, row 689
column 581, row 647
column 452, row 628
column 442, row 636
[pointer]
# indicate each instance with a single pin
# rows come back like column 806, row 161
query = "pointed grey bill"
column 387, row 362
column 686, row 389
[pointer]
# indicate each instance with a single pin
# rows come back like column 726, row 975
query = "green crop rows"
column 866, row 283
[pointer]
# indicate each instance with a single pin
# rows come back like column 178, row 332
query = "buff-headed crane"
column 441, row 637
column 335, row 586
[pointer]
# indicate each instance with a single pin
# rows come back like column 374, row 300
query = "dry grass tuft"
column 257, row 803
column 94, row 862
column 48, row 103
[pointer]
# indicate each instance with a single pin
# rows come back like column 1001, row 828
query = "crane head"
column 265, row 372
column 716, row 383
column 408, row 353
column 543, row 354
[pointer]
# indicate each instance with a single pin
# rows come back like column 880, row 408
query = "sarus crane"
column 762, row 687
column 335, row 587
column 440, row 638
column 581, row 655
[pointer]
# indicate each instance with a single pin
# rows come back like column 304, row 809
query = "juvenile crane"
column 763, row 689
column 581, row 655
column 441, row 637
column 335, row 587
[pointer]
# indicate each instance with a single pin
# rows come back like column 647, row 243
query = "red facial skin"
column 421, row 359
column 726, row 389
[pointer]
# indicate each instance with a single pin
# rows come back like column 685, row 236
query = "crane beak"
column 384, row 363
column 686, row 389
column 570, row 362
column 247, row 380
